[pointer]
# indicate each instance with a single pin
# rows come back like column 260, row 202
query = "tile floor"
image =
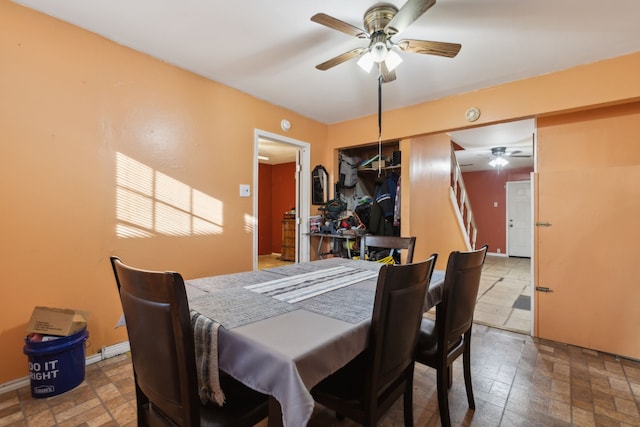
column 270, row 261
column 505, row 293
column 518, row 381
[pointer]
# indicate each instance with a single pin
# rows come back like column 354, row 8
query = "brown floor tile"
column 518, row 381
column 44, row 418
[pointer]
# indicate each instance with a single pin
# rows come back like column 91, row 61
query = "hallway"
column 504, row 298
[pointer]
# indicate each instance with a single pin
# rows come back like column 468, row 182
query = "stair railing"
column 462, row 205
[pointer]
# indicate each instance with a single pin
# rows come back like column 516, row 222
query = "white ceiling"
column 516, row 136
column 269, row 49
column 275, row 153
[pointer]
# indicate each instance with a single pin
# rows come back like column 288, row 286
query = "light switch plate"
column 245, row 190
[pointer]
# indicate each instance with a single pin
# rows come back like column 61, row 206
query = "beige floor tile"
column 516, row 324
column 483, row 307
column 490, row 319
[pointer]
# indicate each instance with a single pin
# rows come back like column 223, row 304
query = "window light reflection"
column 150, row 203
column 249, row 223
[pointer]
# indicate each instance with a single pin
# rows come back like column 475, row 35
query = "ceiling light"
column 379, row 51
column 366, row 62
column 392, row 61
column 498, row 162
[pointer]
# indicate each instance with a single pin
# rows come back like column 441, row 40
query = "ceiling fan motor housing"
column 375, row 20
column 378, row 16
column 498, row 151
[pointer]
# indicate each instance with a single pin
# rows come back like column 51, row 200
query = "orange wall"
column 485, row 188
column 589, row 191
column 90, row 130
column 71, row 101
column 431, row 216
column 609, row 82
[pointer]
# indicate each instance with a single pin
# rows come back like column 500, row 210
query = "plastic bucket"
column 56, row 366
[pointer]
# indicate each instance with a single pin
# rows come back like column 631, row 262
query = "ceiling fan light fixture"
column 392, row 61
column 379, row 51
column 498, row 162
column 366, row 62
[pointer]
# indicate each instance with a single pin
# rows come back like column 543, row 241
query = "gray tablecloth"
column 284, row 349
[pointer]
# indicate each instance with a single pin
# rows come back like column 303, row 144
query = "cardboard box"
column 56, row 321
column 382, row 163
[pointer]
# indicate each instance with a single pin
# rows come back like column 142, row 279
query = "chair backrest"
column 397, row 313
column 162, row 346
column 388, row 242
column 454, row 314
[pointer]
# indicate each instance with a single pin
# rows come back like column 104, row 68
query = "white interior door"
column 299, row 196
column 519, row 225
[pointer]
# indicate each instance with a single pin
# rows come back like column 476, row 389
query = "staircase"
column 461, row 204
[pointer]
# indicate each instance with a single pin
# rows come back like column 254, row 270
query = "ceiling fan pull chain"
column 379, row 125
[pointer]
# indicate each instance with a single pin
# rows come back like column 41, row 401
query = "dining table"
column 282, row 330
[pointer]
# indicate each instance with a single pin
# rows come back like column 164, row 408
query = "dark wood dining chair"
column 388, row 242
column 365, row 388
column 163, row 355
column 442, row 341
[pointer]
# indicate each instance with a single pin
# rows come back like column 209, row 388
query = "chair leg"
column 466, row 363
column 443, row 396
column 142, row 404
column 408, row 402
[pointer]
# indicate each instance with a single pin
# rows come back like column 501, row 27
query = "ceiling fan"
column 382, row 22
column 503, row 152
column 499, row 155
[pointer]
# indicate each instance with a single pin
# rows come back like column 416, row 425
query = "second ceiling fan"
column 383, row 21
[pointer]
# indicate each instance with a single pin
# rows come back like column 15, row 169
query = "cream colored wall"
column 77, row 114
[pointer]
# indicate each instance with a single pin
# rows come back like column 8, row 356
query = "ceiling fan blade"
column 341, row 58
column 448, row 50
column 412, row 10
column 336, row 24
column 387, row 76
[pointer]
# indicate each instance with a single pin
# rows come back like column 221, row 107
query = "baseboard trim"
column 497, row 254
column 115, row 350
column 14, row 385
column 105, row 353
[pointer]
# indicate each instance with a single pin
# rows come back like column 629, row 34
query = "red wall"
column 264, row 209
column 283, row 199
column 486, row 188
column 276, row 195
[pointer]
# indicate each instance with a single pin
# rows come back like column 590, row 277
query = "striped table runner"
column 308, row 285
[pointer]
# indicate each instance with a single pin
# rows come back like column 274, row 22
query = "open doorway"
column 283, row 202
column 504, row 299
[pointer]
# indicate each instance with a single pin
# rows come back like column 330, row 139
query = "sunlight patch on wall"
column 249, row 223
column 150, row 203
